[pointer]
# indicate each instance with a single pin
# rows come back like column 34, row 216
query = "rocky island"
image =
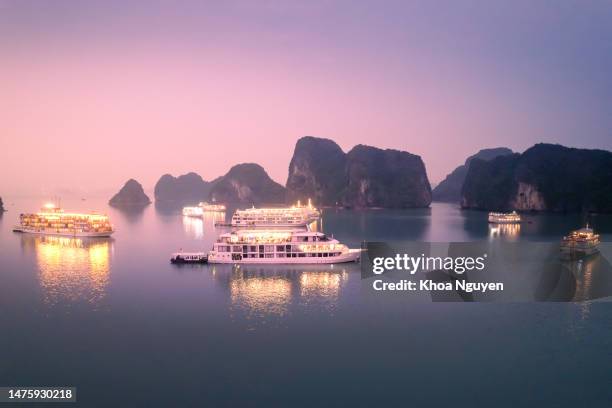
column 545, row 177
column 131, row 195
column 364, row 177
column 247, row 183
column 449, row 189
column 188, row 188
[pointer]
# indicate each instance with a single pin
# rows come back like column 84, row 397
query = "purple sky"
column 93, row 93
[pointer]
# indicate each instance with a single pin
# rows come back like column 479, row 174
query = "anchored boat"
column 294, row 216
column 504, row 218
column 580, row 243
column 280, row 247
column 52, row 220
column 188, row 257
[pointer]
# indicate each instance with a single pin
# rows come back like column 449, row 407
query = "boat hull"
column 64, row 233
column 352, row 255
column 503, row 222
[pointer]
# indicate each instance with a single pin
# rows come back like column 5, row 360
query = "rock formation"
column 545, row 177
column 247, row 183
column 449, row 189
column 1, row 206
column 130, row 195
column 189, row 188
column 364, row 177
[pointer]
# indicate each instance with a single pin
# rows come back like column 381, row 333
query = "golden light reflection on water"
column 321, row 284
column 508, row 231
column 583, row 272
column 196, row 226
column 262, row 292
column 262, row 295
column 71, row 269
column 193, row 226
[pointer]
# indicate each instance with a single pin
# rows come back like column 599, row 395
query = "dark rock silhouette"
column 364, row 177
column 247, row 183
column 449, row 189
column 189, row 188
column 1, row 206
column 545, row 177
column 130, row 195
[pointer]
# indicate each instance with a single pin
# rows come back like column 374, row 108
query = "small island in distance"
column 131, row 195
column 545, row 177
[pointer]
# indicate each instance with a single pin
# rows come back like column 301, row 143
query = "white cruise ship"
column 294, row 216
column 52, row 220
column 201, row 208
column 208, row 207
column 504, row 218
column 280, row 247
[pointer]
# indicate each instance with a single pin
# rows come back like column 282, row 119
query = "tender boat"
column 188, row 257
column 504, row 218
column 580, row 243
column 52, row 220
column 280, row 247
column 294, row 216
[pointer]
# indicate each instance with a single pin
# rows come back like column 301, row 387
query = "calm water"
column 116, row 320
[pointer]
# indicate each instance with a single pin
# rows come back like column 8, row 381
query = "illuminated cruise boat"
column 202, row 208
column 294, row 216
column 52, row 220
column 504, row 218
column 579, row 243
column 212, row 207
column 193, row 211
column 280, row 247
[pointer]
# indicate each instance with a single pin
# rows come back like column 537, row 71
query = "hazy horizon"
column 95, row 93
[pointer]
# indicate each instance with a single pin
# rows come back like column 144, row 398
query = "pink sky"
column 92, row 96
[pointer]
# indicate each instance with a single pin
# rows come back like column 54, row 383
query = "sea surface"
column 115, row 319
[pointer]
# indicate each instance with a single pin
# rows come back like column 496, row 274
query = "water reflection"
column 507, row 231
column 70, row 269
column 131, row 214
column 260, row 294
column 321, row 284
column 194, row 226
column 271, row 291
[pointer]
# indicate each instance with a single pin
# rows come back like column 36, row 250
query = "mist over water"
column 115, row 319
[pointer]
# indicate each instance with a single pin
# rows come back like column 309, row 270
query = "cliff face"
column 317, row 170
column 449, row 189
column 364, row 177
column 544, row 178
column 186, row 189
column 131, row 194
column 247, row 183
column 385, row 178
column 1, row 206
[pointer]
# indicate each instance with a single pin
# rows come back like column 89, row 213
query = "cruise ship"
column 202, row 208
column 294, row 216
column 193, row 211
column 280, row 247
column 52, row 220
column 504, row 218
column 211, row 207
column 580, row 243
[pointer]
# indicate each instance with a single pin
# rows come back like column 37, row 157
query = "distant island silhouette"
column 545, row 177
